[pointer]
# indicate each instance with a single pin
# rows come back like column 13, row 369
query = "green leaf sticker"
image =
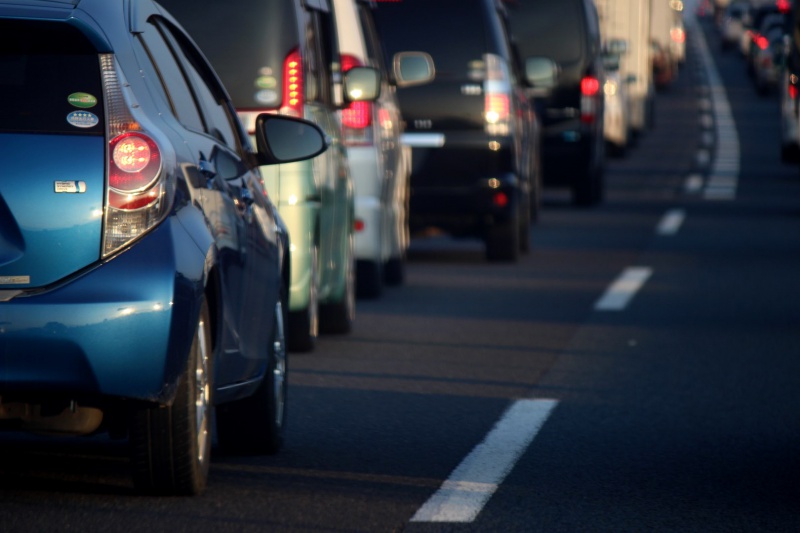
column 82, row 100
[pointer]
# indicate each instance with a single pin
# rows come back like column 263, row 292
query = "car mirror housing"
column 413, row 68
column 541, row 73
column 362, row 84
column 282, row 139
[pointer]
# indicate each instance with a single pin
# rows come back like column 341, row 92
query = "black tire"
column 171, row 445
column 255, row 425
column 588, row 190
column 369, row 279
column 502, row 242
column 302, row 327
column 525, row 227
column 394, row 271
column 337, row 318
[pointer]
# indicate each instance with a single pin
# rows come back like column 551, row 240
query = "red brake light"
column 678, row 35
column 134, row 164
column 358, row 115
column 793, row 91
column 762, row 42
column 590, row 86
column 293, row 88
column 784, row 6
column 497, row 107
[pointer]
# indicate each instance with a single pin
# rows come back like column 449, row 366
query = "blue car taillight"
column 136, row 186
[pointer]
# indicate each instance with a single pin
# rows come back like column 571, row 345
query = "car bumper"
column 120, row 330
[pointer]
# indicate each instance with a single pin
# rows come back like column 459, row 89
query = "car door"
column 223, row 182
column 330, row 169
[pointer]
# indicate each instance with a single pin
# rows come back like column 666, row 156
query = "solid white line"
column 473, row 482
column 620, row 293
column 671, row 222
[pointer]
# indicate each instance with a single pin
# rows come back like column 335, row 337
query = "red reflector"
column 792, row 91
column 762, row 42
column 500, row 199
column 784, row 6
column 359, row 225
column 590, row 86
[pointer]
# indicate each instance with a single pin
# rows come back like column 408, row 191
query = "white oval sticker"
column 83, row 119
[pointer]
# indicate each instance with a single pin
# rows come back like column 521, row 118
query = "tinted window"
column 552, row 28
column 180, row 96
column 246, row 42
column 217, row 117
column 434, row 26
column 49, row 80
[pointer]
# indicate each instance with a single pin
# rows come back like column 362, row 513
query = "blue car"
column 143, row 266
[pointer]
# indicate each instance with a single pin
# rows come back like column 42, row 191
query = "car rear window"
column 552, row 28
column 249, row 60
column 50, row 81
column 435, row 26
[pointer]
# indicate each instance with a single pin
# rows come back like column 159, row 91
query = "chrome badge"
column 74, row 187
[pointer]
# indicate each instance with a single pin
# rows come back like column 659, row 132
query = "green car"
column 294, row 69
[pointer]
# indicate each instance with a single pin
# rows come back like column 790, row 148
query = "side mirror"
column 541, row 73
column 362, row 84
column 283, row 139
column 413, row 68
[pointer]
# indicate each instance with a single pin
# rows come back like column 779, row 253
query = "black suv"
column 568, row 31
column 473, row 133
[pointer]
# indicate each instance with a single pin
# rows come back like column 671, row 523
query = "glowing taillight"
column 134, row 165
column 762, row 42
column 793, row 91
column 497, row 95
column 590, row 86
column 590, row 89
column 677, row 35
column 357, row 115
column 139, row 192
column 496, row 107
column 784, row 6
column 293, row 85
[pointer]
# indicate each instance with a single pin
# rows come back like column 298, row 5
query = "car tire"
column 255, row 425
column 369, row 279
column 394, row 271
column 171, row 445
column 502, row 242
column 337, row 318
column 303, row 325
column 525, row 227
column 587, row 190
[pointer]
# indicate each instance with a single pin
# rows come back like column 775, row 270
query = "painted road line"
column 671, row 222
column 622, row 291
column 723, row 176
column 480, row 474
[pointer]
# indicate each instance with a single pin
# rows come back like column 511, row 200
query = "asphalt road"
column 508, row 396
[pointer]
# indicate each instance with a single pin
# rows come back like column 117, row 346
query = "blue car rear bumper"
column 122, row 329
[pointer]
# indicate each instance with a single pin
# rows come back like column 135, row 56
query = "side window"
column 319, row 46
column 176, row 89
column 371, row 38
column 210, row 96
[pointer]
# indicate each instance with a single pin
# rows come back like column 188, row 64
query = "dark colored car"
column 573, row 146
column 144, row 269
column 473, row 133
